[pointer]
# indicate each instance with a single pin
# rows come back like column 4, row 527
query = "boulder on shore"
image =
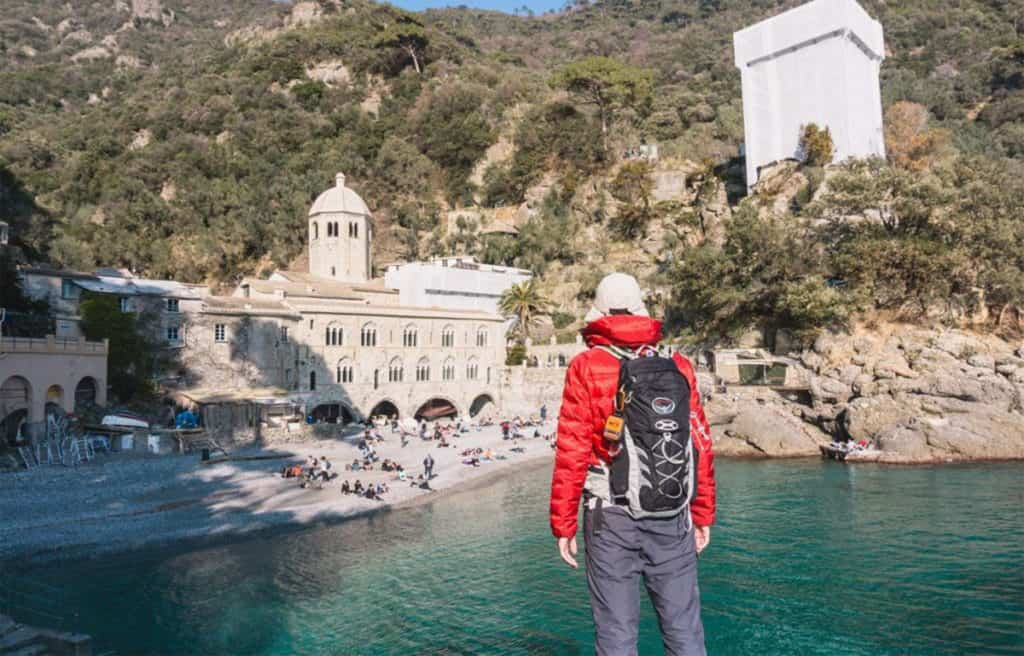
column 920, row 395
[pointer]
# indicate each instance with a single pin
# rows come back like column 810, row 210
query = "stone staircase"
column 23, row 640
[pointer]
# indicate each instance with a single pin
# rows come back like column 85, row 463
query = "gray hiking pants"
column 619, row 549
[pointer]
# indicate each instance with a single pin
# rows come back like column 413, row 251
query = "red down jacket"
column 587, row 402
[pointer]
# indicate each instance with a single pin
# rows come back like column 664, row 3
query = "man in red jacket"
column 619, row 548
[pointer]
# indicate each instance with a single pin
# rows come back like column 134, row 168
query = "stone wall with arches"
column 55, row 372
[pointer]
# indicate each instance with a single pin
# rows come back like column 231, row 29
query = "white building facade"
column 458, row 282
column 816, row 63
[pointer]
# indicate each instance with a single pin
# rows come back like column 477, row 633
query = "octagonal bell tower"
column 340, row 235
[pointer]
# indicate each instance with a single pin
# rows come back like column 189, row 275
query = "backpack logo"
column 663, row 406
column 666, row 425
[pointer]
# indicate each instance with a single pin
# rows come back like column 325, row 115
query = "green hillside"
column 190, row 139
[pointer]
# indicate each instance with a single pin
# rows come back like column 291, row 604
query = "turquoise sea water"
column 807, row 558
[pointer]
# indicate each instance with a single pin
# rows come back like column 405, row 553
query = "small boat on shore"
column 843, row 451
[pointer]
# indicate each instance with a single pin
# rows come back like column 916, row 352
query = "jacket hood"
column 627, row 330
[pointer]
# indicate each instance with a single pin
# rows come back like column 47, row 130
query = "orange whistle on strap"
column 613, row 428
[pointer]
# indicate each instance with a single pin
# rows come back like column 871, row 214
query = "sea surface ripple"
column 807, row 558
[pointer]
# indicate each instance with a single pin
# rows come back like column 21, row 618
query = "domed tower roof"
column 339, row 198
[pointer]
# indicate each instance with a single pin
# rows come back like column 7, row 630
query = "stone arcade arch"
column 385, row 407
column 15, row 401
column 436, row 407
column 482, row 403
column 85, row 393
column 334, row 412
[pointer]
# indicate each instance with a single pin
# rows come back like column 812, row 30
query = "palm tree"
column 524, row 303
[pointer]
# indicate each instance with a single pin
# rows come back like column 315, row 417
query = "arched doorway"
column 55, row 395
column 332, row 413
column 15, row 399
column 482, row 403
column 85, row 394
column 436, row 408
column 386, row 408
column 15, row 394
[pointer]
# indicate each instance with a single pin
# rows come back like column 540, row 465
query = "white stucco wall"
column 817, row 63
column 433, row 284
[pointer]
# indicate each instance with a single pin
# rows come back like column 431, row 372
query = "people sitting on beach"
column 371, row 493
column 293, row 471
column 358, row 487
column 474, row 461
column 345, row 489
column 355, row 466
column 382, row 488
column 443, row 443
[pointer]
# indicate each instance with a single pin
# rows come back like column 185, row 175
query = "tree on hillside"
column 816, row 145
column 524, row 303
column 909, row 143
column 607, row 84
column 408, row 36
column 24, row 317
column 133, row 358
column 632, row 187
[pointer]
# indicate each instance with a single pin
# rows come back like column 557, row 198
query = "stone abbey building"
column 348, row 345
column 425, row 339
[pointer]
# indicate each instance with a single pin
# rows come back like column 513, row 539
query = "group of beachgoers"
column 371, row 491
column 317, row 471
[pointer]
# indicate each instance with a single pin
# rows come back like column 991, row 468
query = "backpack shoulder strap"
column 618, row 352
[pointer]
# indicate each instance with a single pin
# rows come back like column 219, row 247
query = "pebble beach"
column 121, row 502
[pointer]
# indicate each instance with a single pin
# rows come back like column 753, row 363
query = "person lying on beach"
column 474, row 461
column 517, row 449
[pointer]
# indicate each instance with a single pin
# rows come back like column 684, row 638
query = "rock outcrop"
column 919, row 395
column 760, row 423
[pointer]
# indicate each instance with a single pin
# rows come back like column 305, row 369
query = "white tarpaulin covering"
column 817, row 63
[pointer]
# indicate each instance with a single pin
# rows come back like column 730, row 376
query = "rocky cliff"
column 917, row 394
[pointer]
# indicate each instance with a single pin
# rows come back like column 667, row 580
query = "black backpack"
column 654, row 472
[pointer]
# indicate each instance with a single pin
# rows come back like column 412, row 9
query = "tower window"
column 219, row 333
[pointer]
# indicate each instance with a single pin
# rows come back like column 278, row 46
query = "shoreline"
column 168, row 517
column 177, row 501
